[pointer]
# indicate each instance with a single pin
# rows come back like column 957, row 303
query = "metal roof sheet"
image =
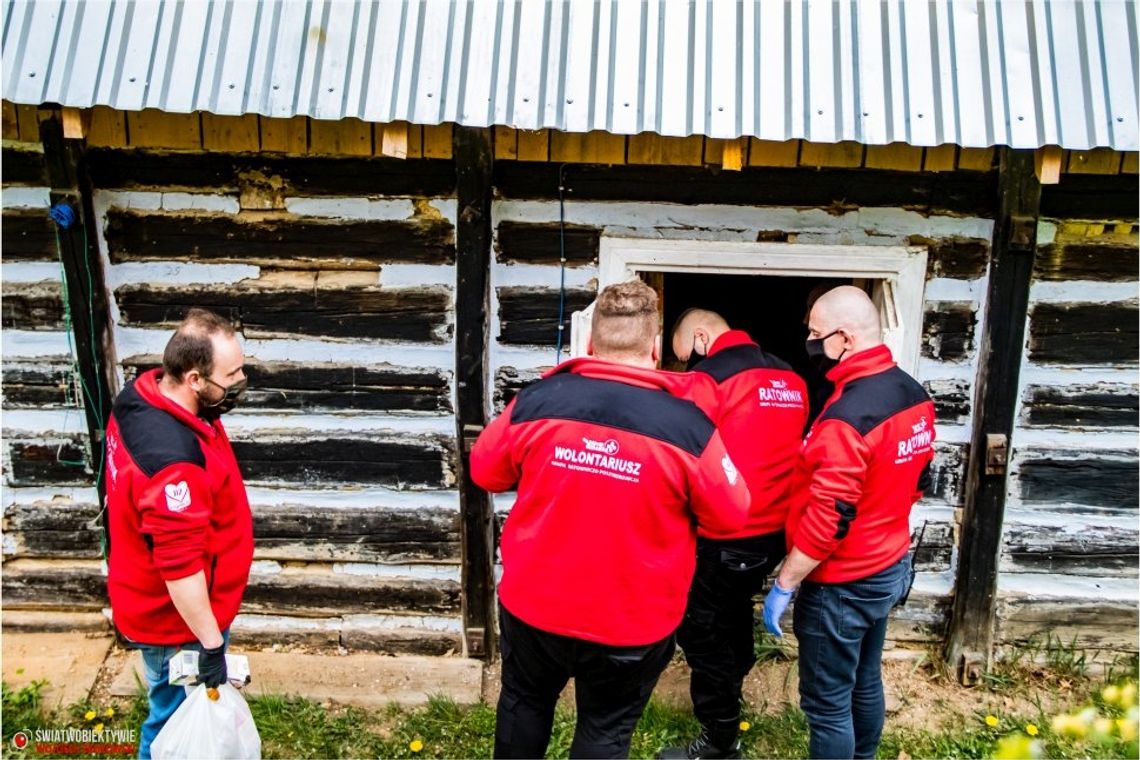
column 1023, row 73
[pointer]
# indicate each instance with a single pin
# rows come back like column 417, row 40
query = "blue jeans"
column 841, row 628
column 164, row 699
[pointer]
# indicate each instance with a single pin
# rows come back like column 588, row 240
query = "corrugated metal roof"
column 974, row 73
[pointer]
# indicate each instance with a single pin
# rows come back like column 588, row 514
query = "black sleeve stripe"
column 154, row 439
column 869, row 401
column 732, row 361
column 846, row 516
column 651, row 413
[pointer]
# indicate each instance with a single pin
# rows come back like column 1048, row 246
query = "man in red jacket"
column 759, row 405
column 864, row 464
column 181, row 532
column 613, row 475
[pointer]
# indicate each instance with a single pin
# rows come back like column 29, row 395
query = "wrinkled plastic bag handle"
column 205, row 727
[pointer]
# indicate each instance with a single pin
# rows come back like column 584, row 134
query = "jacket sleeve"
column 836, row 458
column 717, row 493
column 174, row 511
column 494, row 467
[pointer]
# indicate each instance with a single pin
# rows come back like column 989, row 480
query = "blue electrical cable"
column 562, row 261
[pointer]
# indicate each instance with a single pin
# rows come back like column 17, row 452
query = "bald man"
column 864, row 463
column 759, row 405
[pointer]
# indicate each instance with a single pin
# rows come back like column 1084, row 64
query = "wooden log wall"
column 1070, row 539
column 346, row 440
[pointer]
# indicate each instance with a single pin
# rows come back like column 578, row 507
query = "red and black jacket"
column 612, row 474
column 864, row 464
column 176, row 505
column 759, row 405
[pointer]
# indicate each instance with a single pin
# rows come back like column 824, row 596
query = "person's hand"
column 212, row 666
column 774, row 606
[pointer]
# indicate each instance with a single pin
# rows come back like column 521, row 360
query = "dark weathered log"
column 1102, row 262
column 1090, row 623
column 1098, row 480
column 24, row 167
column 1081, row 406
column 508, row 382
column 961, row 192
column 356, row 534
column 61, row 462
column 952, row 399
column 1091, row 196
column 956, row 258
column 922, row 619
column 414, row 314
column 27, row 234
column 35, row 306
column 934, row 554
column 543, row 243
column 398, row 462
column 1083, row 333
column 1095, row 550
column 299, row 175
column 315, row 593
column 359, row 635
column 42, row 584
column 43, row 386
column 948, row 331
column 529, row 316
column 277, row 241
column 948, row 472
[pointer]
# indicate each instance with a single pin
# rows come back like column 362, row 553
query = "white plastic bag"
column 204, row 728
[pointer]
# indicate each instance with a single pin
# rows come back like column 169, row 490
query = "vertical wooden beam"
column 473, row 153
column 970, row 640
column 83, row 272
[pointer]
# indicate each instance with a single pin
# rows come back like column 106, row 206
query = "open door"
column 890, row 316
column 580, row 330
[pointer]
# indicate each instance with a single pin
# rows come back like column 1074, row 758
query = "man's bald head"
column 849, row 314
column 696, row 327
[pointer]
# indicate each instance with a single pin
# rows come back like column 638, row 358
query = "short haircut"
column 191, row 346
column 625, row 319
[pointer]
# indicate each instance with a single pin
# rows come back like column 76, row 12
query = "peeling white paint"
column 947, row 289
column 144, row 201
column 34, row 344
column 949, row 433
column 32, row 272
column 934, row 584
column 545, row 276
column 242, row 425
column 265, row 567
column 178, row 273
column 342, row 496
column 1038, row 374
column 880, row 222
column 1056, row 586
column 44, row 422
column 26, row 197
column 411, row 275
column 200, row 202
column 1079, row 291
column 935, row 369
column 389, row 209
column 1072, row 440
column 446, row 208
column 1046, row 232
column 424, row 622
column 414, row 572
column 521, row 357
column 8, row 544
column 39, row 494
column 1056, row 520
column 252, row 623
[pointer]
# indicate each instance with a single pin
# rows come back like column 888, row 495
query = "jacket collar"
column 147, row 386
column 729, row 340
column 870, row 361
column 601, row 369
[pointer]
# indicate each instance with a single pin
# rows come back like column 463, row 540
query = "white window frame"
column 898, row 274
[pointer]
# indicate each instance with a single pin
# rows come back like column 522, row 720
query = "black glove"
column 212, row 666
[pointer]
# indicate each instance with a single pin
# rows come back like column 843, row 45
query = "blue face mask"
column 817, row 355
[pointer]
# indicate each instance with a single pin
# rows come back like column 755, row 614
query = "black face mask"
column 818, row 356
column 230, row 396
column 694, row 357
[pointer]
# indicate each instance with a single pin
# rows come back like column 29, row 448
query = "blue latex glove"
column 774, row 606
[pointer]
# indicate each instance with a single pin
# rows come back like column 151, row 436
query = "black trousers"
column 717, row 632
column 612, row 686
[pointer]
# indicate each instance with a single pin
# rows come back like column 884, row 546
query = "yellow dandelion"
column 1128, row 694
column 415, row 745
column 1127, row 729
column 89, row 715
column 1069, row 725
column 109, row 712
column 745, row 725
column 1111, row 694
column 991, row 721
column 1031, row 729
column 98, row 728
column 1102, row 727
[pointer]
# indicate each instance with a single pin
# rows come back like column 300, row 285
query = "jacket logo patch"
column 177, row 496
column 778, row 394
column 608, row 447
column 730, row 470
column 919, row 426
column 919, row 442
column 597, row 462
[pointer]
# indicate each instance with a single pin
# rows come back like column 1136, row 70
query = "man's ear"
column 192, row 379
column 657, row 350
